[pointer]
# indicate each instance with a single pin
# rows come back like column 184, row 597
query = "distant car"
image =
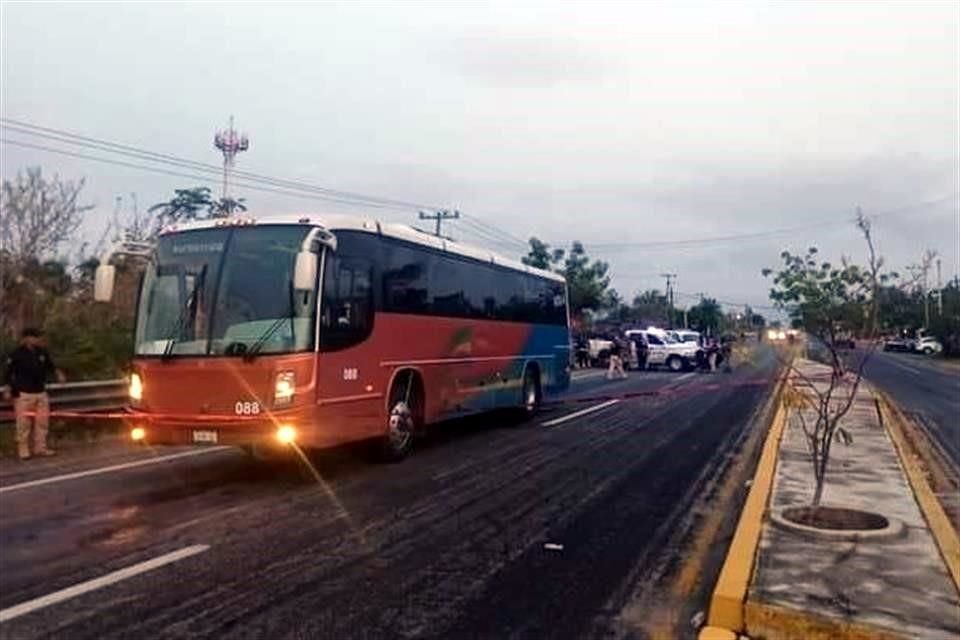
column 845, row 343
column 898, row 344
column 928, row 345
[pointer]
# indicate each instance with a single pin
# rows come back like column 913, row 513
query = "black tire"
column 531, row 396
column 927, row 351
column 404, row 418
column 675, row 364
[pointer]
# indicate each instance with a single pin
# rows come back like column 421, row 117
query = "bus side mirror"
column 103, row 282
column 305, row 271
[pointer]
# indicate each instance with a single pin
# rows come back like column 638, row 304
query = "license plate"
column 205, row 435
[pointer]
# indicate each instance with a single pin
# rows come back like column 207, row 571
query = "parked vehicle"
column 898, row 344
column 600, row 351
column 665, row 350
column 928, row 345
column 685, row 335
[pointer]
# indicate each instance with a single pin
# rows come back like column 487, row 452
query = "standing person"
column 583, row 352
column 616, row 361
column 642, row 351
column 28, row 368
column 713, row 354
column 726, row 355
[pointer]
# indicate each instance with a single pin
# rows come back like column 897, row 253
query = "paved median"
column 790, row 582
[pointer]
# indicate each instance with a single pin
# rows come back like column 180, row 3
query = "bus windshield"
column 223, row 291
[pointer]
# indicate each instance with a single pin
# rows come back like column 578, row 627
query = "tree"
column 587, row 280
column 37, row 215
column 829, row 302
column 541, row 256
column 226, row 207
column 185, row 205
column 706, row 316
column 650, row 307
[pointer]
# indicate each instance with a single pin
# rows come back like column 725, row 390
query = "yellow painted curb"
column 782, row 623
column 726, row 604
column 716, row 633
column 940, row 525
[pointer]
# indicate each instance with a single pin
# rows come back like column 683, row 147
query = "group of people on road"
column 632, row 350
column 711, row 353
column 28, row 367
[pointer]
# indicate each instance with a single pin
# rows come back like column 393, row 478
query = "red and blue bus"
column 323, row 331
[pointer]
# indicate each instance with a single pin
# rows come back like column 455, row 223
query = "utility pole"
column 925, row 265
column 136, row 216
column 230, row 142
column 440, row 216
column 118, row 203
column 670, row 277
column 939, row 291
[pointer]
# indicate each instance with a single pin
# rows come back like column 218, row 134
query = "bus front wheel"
column 404, row 417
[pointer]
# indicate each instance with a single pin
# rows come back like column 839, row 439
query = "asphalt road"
column 926, row 389
column 492, row 529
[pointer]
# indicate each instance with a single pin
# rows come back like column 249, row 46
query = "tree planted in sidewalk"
column 830, row 303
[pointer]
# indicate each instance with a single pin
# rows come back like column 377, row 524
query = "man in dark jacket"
column 28, row 368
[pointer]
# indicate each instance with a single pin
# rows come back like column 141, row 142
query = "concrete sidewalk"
column 807, row 588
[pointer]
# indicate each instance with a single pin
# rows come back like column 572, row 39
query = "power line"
column 487, row 231
column 700, row 297
column 162, row 158
column 655, row 244
column 472, row 225
column 192, row 176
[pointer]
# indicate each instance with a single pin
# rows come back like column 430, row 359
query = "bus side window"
column 347, row 317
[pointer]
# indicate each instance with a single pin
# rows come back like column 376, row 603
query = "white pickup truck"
column 927, row 345
column 664, row 350
column 599, row 351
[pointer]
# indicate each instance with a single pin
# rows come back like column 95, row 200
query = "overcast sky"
column 618, row 124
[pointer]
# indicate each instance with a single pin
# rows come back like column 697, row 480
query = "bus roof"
column 342, row 222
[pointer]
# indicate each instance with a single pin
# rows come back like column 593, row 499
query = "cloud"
column 528, row 61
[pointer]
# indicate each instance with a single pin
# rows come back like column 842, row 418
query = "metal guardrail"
column 93, row 395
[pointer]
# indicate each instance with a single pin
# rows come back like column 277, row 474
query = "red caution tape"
column 193, row 418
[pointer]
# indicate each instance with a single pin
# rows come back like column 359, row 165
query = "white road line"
column 906, row 367
column 110, row 469
column 582, row 412
column 685, row 376
column 585, row 375
column 98, row 583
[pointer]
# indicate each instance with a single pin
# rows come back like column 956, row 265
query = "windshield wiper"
column 189, row 310
column 272, row 329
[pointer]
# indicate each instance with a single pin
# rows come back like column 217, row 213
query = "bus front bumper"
column 286, row 429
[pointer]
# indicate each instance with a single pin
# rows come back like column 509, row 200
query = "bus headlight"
column 286, row 434
column 137, row 434
column 136, row 388
column 283, row 388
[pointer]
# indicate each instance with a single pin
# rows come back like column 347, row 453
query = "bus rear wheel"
column 404, row 417
column 531, row 396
